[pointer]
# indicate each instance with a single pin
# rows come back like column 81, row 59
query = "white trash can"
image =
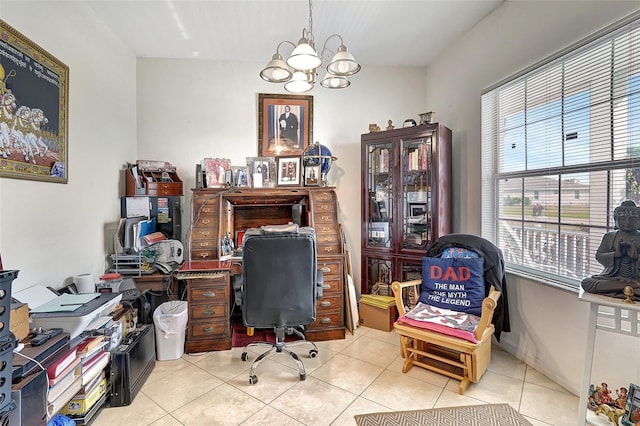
column 170, row 319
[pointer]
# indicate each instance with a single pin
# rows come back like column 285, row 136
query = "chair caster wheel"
column 303, row 376
column 244, row 356
column 253, row 380
column 313, row 353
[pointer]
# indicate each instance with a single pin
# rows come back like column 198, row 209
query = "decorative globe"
column 317, row 154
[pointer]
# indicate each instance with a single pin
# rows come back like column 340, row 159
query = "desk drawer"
column 331, row 319
column 164, row 188
column 328, row 303
column 208, row 311
column 200, row 329
column 213, row 294
column 204, row 254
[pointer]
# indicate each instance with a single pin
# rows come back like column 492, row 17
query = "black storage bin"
column 6, row 368
column 6, row 278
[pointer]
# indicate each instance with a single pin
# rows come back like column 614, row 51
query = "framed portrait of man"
column 285, row 124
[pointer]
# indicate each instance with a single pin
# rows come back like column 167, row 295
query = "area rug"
column 474, row 415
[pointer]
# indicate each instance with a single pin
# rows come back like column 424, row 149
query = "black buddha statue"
column 619, row 254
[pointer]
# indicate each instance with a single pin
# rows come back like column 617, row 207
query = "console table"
column 607, row 314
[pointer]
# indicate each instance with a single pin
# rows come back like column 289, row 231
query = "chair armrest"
column 489, row 304
column 398, row 287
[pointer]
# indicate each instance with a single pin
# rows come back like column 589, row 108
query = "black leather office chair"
column 280, row 286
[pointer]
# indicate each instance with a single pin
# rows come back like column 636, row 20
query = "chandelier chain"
column 311, row 21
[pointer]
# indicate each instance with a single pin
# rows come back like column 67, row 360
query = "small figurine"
column 599, row 396
column 628, row 292
column 612, row 413
column 621, row 400
column 390, row 126
column 374, row 128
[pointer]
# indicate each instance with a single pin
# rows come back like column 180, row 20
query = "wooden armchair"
column 456, row 357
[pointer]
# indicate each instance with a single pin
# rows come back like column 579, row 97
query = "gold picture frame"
column 33, row 136
column 285, row 124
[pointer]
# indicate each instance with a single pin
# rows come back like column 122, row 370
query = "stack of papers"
column 66, row 303
column 384, row 302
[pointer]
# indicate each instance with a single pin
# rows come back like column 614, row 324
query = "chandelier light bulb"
column 299, row 83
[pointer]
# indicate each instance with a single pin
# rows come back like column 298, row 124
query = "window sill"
column 549, row 281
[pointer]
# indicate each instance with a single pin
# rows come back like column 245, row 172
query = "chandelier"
column 300, row 70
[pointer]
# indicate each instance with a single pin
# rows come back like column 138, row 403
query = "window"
column 561, row 150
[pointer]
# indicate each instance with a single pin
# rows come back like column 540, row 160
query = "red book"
column 88, row 345
column 61, row 364
column 88, row 363
column 66, row 372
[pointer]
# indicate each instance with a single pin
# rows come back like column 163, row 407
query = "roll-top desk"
column 227, row 212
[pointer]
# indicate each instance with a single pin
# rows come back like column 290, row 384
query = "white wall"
column 51, row 232
column 548, row 325
column 192, row 109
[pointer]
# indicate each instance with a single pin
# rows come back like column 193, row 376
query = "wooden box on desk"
column 152, row 182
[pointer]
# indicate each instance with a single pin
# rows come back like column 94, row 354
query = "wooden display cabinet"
column 406, row 199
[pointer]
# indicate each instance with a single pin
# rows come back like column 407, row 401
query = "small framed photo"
column 215, row 170
column 417, row 209
column 631, row 416
column 263, row 171
column 312, row 176
column 288, row 170
column 241, row 176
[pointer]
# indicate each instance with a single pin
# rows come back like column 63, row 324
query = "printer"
column 72, row 313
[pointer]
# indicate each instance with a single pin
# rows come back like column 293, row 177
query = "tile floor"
column 360, row 374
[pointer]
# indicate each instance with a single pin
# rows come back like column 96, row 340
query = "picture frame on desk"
column 241, row 176
column 215, row 170
column 288, row 168
column 631, row 416
column 312, row 175
column 263, row 171
column 285, row 123
column 35, row 91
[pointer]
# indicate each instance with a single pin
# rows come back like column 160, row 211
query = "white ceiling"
column 376, row 32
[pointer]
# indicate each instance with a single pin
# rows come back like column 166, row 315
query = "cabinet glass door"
column 379, row 186
column 415, row 191
column 379, row 275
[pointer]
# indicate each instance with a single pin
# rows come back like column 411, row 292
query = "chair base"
column 455, row 358
column 280, row 346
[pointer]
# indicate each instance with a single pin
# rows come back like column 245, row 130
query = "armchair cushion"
column 456, row 284
column 445, row 321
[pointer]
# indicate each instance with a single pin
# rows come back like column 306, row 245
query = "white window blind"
column 561, row 150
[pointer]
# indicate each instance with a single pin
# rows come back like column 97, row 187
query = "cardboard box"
column 378, row 318
column 19, row 320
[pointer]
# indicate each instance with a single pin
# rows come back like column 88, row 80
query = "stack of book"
column 65, row 381
column 94, row 357
column 84, row 402
column 89, row 383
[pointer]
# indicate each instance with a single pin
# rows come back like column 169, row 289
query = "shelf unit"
column 406, row 200
column 610, row 315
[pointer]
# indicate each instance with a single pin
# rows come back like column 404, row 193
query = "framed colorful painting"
column 285, row 124
column 34, row 110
